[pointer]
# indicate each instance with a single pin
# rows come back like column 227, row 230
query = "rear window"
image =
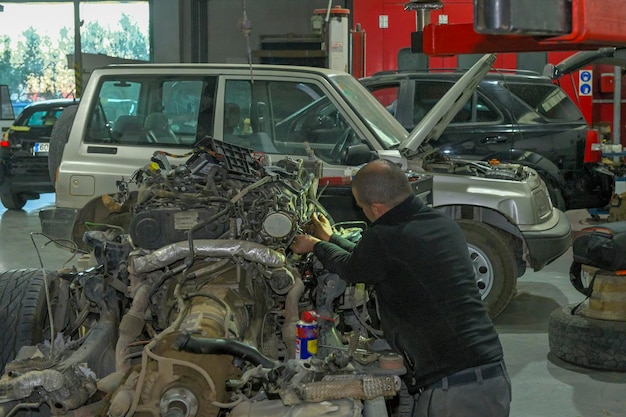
column 550, row 101
column 39, row 118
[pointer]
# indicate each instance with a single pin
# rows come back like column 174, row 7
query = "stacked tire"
column 588, row 342
column 593, row 333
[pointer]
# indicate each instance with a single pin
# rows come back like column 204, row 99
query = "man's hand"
column 322, row 228
column 303, row 244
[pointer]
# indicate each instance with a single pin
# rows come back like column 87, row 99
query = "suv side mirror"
column 358, row 154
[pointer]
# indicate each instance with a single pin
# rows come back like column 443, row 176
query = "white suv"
column 128, row 112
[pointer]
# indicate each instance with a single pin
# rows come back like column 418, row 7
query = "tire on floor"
column 13, row 201
column 23, row 309
column 587, row 342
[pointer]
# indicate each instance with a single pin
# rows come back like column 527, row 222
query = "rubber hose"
column 210, row 346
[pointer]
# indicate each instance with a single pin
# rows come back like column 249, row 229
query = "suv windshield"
column 381, row 122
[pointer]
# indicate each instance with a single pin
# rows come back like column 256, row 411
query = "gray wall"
column 166, row 31
column 206, row 30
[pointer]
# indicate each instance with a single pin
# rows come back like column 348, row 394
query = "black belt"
column 469, row 376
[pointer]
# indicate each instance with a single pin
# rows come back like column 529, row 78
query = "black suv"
column 24, row 150
column 512, row 117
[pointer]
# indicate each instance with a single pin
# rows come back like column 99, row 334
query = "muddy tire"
column 592, row 343
column 13, row 201
column 58, row 139
column 23, row 310
column 494, row 265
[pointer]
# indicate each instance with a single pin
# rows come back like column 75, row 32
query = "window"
column 287, row 117
column 166, row 110
column 427, row 94
column 388, row 97
column 485, row 112
column 39, row 118
column 477, row 109
column 547, row 100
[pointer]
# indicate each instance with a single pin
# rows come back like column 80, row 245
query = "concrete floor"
column 543, row 385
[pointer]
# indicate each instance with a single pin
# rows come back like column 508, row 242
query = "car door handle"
column 494, row 139
column 102, row 150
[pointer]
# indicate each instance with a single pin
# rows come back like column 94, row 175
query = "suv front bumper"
column 546, row 244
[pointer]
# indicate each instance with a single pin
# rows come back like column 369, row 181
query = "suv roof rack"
column 455, row 70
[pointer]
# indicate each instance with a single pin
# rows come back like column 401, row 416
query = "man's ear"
column 379, row 209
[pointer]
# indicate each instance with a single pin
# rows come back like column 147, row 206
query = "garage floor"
column 543, row 385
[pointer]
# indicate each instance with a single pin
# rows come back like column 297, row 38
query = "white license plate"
column 41, row 148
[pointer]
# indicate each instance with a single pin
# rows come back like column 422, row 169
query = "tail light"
column 593, row 148
column 4, row 142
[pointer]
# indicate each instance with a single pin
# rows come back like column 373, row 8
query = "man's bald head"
column 382, row 181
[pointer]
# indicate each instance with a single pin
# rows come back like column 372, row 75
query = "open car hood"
column 610, row 56
column 442, row 113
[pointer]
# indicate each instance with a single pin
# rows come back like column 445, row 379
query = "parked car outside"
column 517, row 117
column 7, row 111
column 24, row 151
column 308, row 114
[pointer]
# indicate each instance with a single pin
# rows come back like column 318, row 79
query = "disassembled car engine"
column 193, row 310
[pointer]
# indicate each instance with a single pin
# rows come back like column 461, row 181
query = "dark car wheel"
column 587, row 342
column 23, row 309
column 12, row 201
column 58, row 139
column 494, row 265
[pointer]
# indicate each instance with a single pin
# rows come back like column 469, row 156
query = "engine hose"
column 292, row 315
column 209, row 346
column 189, row 260
column 131, row 326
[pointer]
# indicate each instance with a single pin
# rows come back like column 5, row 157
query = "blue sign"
column 585, row 89
column 585, row 76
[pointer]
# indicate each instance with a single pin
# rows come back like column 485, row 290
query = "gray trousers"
column 483, row 398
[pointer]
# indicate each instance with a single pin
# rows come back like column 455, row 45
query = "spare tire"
column 58, row 138
column 587, row 342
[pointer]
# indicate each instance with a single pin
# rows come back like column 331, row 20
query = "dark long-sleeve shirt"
column 430, row 307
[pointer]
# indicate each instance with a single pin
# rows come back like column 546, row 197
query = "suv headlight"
column 542, row 201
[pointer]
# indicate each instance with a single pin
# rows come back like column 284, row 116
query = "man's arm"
column 366, row 262
column 342, row 242
column 317, row 229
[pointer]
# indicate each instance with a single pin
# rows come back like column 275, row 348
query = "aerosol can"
column 306, row 335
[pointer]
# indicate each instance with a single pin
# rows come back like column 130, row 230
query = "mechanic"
column 430, row 308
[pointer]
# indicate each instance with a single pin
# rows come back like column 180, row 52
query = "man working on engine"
column 430, row 307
